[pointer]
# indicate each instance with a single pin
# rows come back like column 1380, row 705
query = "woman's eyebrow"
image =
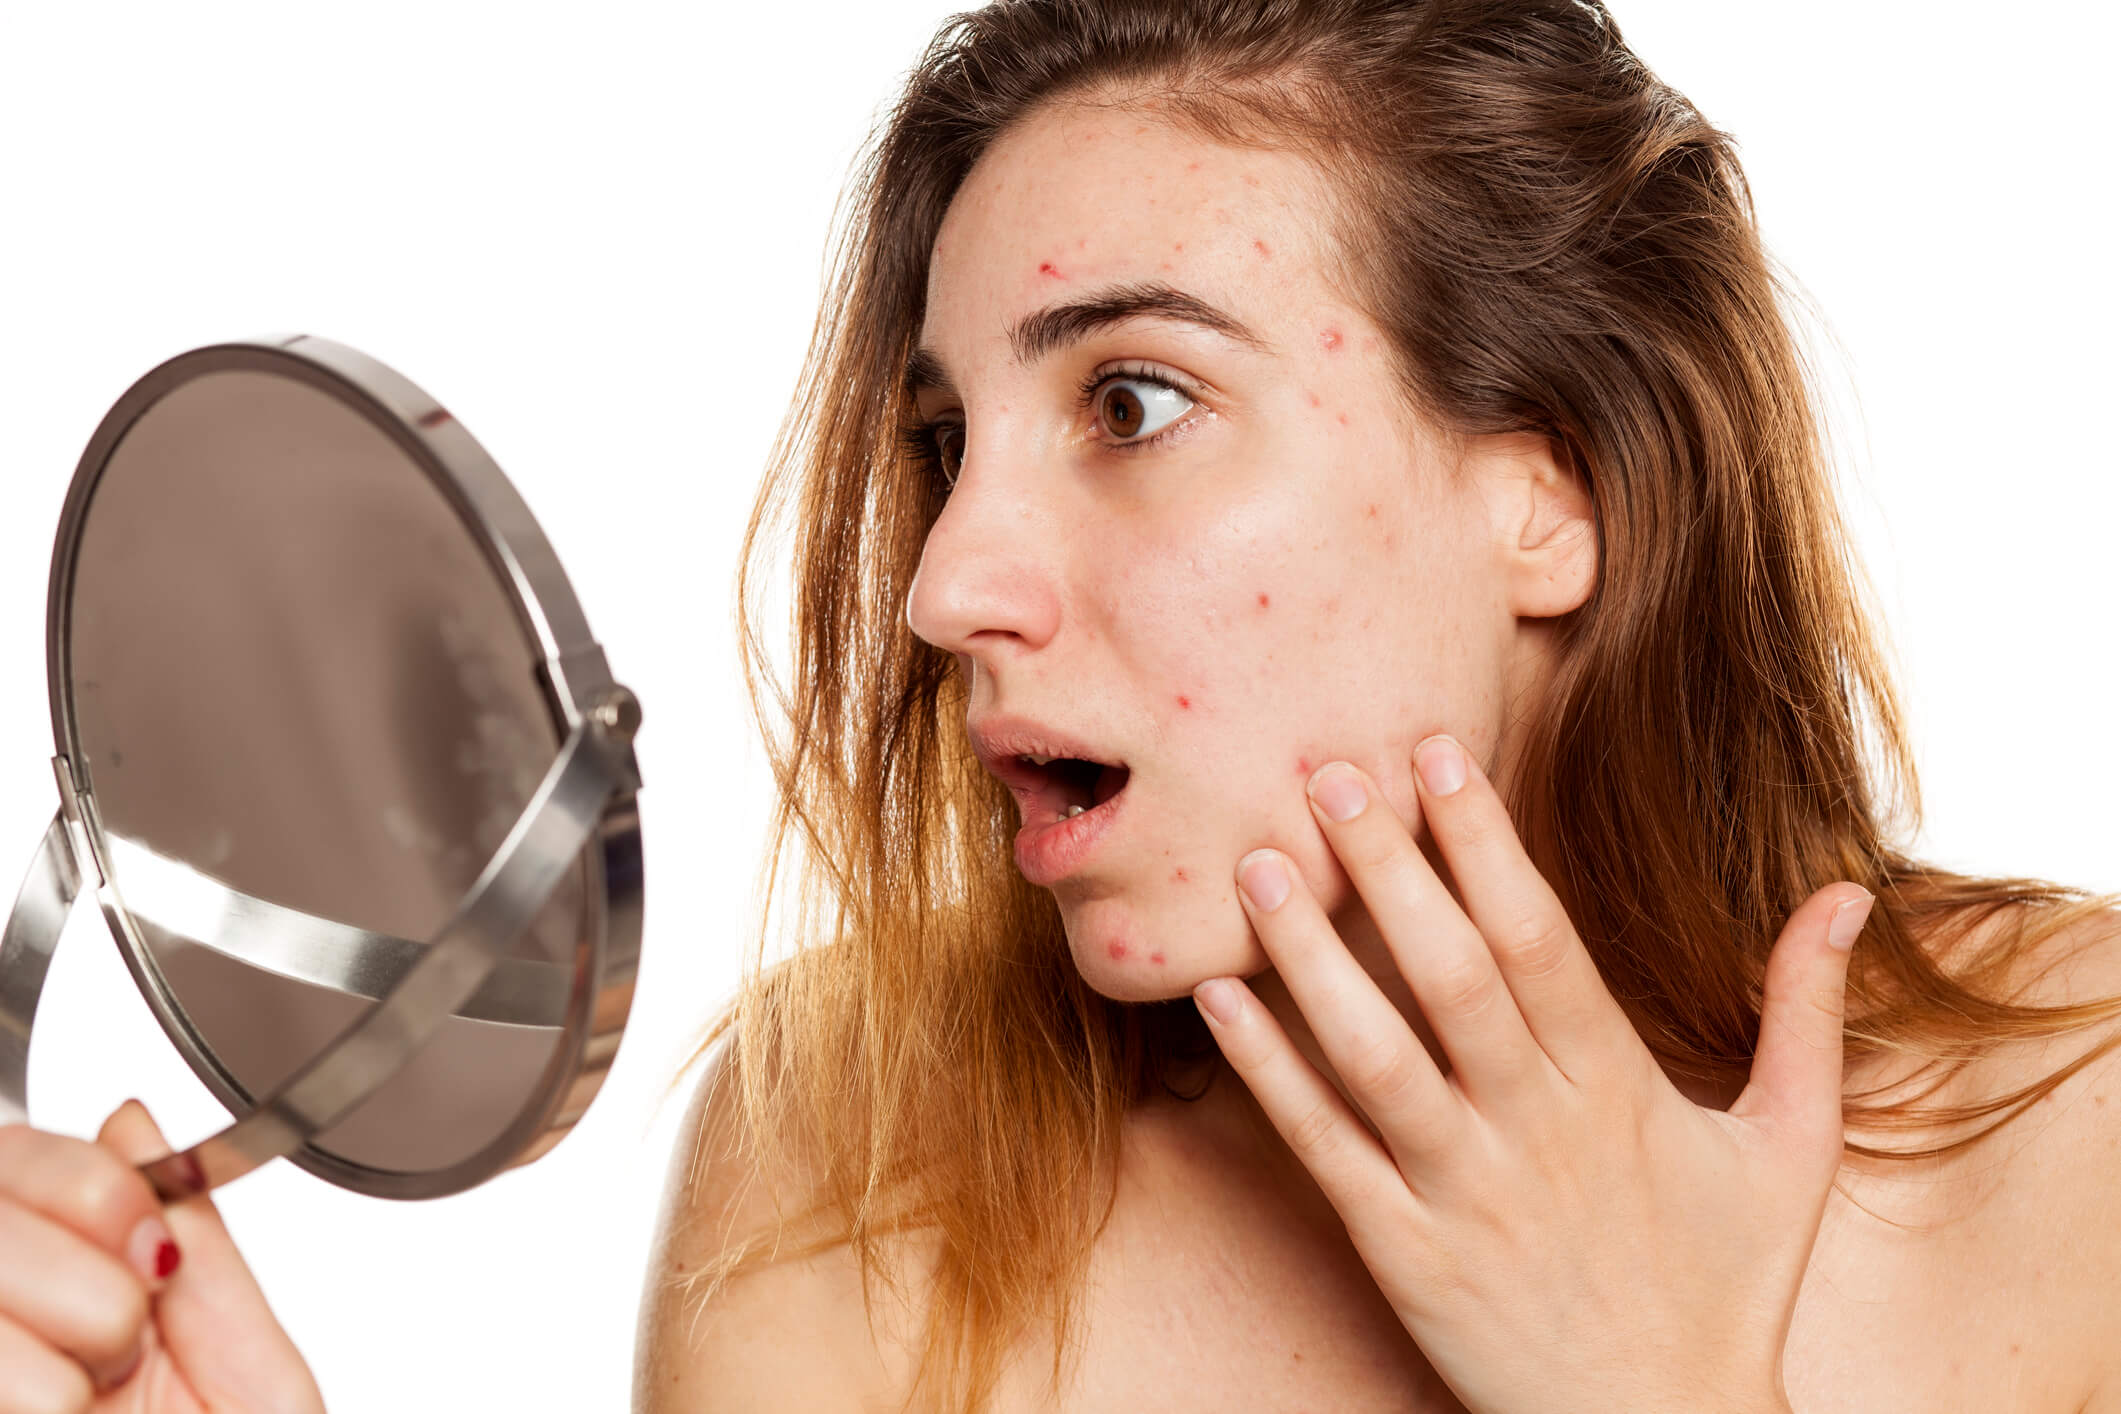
column 1057, row 325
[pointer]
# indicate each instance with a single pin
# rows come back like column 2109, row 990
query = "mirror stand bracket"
column 33, row 927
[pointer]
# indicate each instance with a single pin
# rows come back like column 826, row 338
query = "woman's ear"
column 1543, row 525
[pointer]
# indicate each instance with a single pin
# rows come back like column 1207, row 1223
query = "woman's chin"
column 1128, row 957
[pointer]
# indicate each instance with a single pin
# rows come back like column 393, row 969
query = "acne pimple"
column 1185, row 704
column 1178, row 876
column 1262, row 601
column 1045, row 267
column 1157, row 958
column 1343, row 419
column 1117, row 949
column 1314, row 398
column 1193, row 166
column 1261, row 247
column 1329, row 340
column 1369, row 512
column 1303, row 767
column 1178, row 245
column 1082, row 243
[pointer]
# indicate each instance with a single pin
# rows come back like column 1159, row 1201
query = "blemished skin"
column 1292, row 574
column 1274, row 568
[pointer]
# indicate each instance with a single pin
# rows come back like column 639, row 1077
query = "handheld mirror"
column 346, row 770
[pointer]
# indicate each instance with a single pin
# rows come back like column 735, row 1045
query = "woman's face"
column 1235, row 560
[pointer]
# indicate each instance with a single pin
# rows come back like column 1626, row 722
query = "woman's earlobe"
column 1553, row 542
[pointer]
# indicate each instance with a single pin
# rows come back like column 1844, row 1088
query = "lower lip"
column 1048, row 852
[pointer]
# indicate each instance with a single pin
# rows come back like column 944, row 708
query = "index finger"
column 1565, row 1002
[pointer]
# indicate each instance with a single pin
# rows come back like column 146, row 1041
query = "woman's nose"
column 987, row 572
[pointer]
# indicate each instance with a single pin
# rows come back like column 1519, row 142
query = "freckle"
column 1261, row 247
column 1369, row 512
column 1262, row 601
column 1185, row 704
column 1045, row 267
column 1329, row 340
column 1157, row 958
column 1118, row 950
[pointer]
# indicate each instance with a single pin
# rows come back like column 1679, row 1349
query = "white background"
column 595, row 234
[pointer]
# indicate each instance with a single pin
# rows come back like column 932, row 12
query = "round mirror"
column 314, row 670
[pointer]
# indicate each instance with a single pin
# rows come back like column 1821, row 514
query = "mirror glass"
column 305, row 703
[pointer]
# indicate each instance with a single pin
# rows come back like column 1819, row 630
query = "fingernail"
column 1217, row 997
column 1264, row 881
column 152, row 1251
column 1339, row 790
column 1442, row 765
column 1848, row 922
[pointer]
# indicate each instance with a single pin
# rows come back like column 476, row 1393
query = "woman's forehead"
column 1074, row 199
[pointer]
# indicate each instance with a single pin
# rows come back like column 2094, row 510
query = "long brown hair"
column 1555, row 242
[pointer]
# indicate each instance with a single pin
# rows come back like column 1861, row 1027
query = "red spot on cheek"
column 1045, row 267
column 1178, row 245
column 1370, row 511
column 1314, row 398
column 1157, row 958
column 1118, row 950
column 1264, row 252
column 1329, row 340
column 1185, row 704
column 1262, row 601
column 1343, row 419
column 1303, row 767
column 1178, row 876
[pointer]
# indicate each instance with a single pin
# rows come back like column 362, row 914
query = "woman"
column 1459, row 404
column 1211, row 393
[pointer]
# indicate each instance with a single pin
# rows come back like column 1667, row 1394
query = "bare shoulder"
column 792, row 1334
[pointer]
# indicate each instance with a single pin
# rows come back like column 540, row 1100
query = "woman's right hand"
column 111, row 1303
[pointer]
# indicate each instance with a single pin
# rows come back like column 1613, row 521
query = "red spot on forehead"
column 1250, row 180
column 1262, row 601
column 1329, row 340
column 1264, row 252
column 1117, row 948
column 1185, row 704
column 1045, row 267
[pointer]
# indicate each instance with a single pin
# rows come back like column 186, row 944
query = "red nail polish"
column 166, row 1258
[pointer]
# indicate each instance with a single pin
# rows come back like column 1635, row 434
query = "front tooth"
column 1072, row 812
column 1039, row 760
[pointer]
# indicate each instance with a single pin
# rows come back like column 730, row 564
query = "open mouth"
column 1061, row 787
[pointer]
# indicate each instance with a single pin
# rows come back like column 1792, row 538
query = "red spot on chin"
column 1045, row 267
column 1185, row 704
column 1157, row 958
column 1117, row 948
column 1261, row 247
column 1262, row 601
column 1329, row 340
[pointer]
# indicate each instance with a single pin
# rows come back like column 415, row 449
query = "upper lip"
column 999, row 741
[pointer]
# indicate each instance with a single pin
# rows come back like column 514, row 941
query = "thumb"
column 1795, row 1087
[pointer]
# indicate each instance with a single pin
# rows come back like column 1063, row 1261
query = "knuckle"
column 1466, row 990
column 111, row 1320
column 1536, row 946
column 1314, row 1132
column 1384, row 1072
column 55, row 1386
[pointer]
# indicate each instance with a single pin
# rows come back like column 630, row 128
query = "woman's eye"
column 1137, row 407
column 950, row 449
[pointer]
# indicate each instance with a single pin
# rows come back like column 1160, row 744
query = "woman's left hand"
column 1556, row 1225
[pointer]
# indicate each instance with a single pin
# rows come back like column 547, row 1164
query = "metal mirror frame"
column 573, row 678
